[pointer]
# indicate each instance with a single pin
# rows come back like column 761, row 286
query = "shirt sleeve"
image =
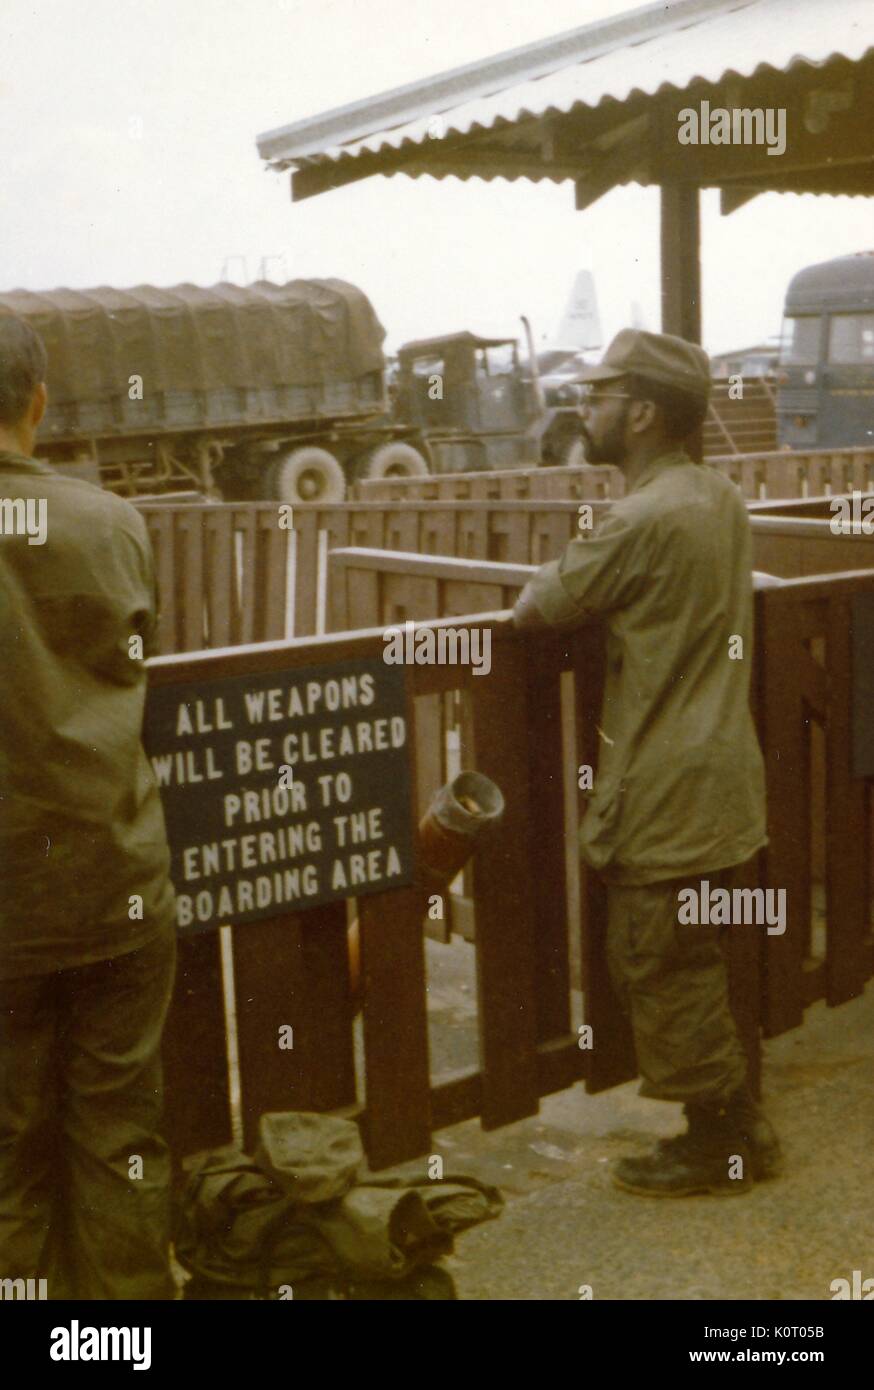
column 597, row 574
column 131, row 600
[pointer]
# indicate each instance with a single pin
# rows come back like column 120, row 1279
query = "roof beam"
column 730, row 199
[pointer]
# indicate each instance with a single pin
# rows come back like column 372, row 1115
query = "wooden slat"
column 401, row 530
column 306, row 572
column 334, row 521
column 780, row 555
column 847, row 876
column 272, row 561
column 161, row 531
column 453, row 1102
column 473, row 534
column 367, row 528
column 191, row 547
column 406, row 597
column 397, row 1125
column 397, row 1081
column 612, row 1058
column 560, row 1063
column 337, row 615
column 787, row 774
column 550, row 533
column 509, row 536
column 244, row 557
column 461, row 597
column 197, row 1111
column 438, row 531
column 546, row 658
column 221, row 587
column 504, row 888
column 429, row 749
column 293, row 971
column 572, row 830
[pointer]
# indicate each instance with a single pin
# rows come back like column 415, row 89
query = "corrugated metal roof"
column 642, row 52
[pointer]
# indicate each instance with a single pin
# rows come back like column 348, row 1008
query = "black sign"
column 283, row 791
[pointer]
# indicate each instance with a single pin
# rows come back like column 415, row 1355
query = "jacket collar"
column 19, row 463
column 675, row 459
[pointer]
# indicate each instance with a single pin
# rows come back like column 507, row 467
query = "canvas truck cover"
column 304, row 333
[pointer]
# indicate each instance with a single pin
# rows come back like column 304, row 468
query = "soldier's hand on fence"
column 526, row 613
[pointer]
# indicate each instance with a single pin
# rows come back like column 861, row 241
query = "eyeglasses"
column 592, row 397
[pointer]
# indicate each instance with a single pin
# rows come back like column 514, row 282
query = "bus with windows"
column 825, row 381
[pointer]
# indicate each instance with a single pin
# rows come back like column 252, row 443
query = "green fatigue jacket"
column 81, row 824
column 679, row 787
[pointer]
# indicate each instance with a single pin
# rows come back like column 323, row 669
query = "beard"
column 610, row 448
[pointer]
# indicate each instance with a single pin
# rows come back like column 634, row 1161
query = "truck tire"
column 308, row 474
column 393, row 460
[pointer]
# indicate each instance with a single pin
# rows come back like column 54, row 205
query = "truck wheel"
column 308, row 474
column 395, row 460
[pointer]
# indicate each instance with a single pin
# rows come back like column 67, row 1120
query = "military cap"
column 657, row 357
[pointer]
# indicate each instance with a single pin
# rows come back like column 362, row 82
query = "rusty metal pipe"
column 459, row 812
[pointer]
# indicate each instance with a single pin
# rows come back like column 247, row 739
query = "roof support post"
column 681, row 260
column 681, row 272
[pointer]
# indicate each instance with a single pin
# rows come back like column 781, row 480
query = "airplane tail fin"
column 580, row 323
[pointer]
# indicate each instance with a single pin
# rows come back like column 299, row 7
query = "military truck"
column 825, row 379
column 267, row 391
column 476, row 404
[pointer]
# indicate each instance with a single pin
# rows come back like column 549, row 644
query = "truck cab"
column 825, row 377
column 476, row 405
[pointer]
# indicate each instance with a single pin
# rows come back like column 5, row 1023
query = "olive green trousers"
column 672, row 984
column 84, row 1173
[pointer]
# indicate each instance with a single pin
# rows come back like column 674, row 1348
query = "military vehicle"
column 825, row 381
column 476, row 404
column 267, row 391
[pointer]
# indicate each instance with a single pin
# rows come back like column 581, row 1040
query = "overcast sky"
column 128, row 153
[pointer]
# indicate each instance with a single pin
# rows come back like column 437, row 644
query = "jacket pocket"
column 599, row 832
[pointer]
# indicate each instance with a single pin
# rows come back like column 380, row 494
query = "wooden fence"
column 528, row 931
column 802, row 693
column 771, row 475
column 292, row 970
column 229, row 574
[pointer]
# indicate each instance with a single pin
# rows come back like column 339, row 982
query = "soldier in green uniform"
column 87, row 931
column 679, row 791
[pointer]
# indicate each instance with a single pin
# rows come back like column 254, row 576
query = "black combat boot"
column 717, row 1154
column 758, row 1134
column 701, row 1159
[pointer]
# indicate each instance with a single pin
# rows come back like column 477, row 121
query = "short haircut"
column 23, row 363
column 681, row 412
